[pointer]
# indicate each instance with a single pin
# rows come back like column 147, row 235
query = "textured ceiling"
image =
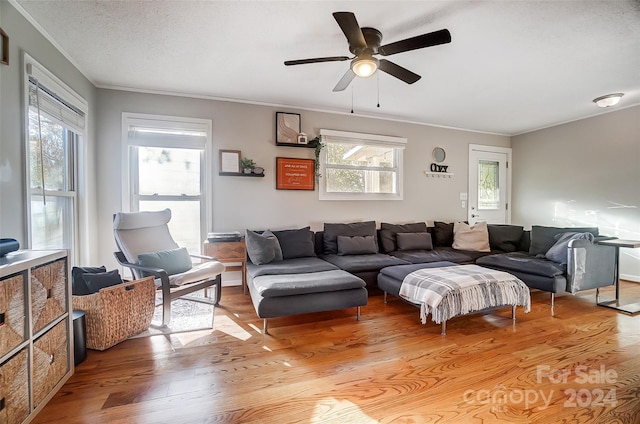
column 512, row 66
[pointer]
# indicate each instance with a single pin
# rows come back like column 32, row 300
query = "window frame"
column 77, row 146
column 129, row 162
column 334, row 136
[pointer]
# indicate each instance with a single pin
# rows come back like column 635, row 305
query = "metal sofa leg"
column 358, row 314
column 443, row 332
column 264, row 327
column 385, row 298
column 553, row 298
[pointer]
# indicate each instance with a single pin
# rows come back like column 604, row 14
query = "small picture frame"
column 302, row 139
column 295, row 174
column 4, row 47
column 287, row 128
column 230, row 161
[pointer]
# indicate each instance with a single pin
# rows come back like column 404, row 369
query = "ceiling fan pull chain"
column 352, row 98
column 378, row 76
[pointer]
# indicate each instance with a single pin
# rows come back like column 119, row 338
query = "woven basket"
column 117, row 313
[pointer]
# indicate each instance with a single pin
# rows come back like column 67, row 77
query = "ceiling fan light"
column 365, row 66
column 608, row 100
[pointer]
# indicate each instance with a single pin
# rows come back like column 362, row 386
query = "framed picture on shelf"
column 295, row 174
column 287, row 128
column 230, row 161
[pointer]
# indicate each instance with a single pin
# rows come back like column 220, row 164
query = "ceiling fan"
column 364, row 43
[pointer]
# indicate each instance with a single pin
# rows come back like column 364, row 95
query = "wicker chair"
column 140, row 233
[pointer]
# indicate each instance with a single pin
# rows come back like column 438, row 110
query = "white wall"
column 583, row 173
column 23, row 37
column 240, row 203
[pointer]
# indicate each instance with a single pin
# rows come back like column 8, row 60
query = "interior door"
column 489, row 184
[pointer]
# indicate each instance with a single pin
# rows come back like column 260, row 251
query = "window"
column 360, row 166
column 167, row 169
column 488, row 185
column 55, row 122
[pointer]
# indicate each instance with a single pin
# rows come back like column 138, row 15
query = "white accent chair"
column 139, row 233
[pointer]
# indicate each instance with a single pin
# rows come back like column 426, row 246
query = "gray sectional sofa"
column 332, row 269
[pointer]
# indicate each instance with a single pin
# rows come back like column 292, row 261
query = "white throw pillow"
column 473, row 238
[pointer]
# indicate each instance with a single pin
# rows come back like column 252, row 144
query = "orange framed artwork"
column 295, row 174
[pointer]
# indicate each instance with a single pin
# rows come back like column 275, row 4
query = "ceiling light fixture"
column 364, row 66
column 608, row 100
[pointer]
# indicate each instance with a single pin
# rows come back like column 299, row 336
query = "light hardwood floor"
column 580, row 366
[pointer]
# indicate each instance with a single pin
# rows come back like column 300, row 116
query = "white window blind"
column 54, row 106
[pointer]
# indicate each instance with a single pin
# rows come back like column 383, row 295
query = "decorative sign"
column 438, row 168
column 295, row 174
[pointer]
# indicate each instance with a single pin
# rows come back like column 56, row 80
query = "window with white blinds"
column 167, row 159
column 56, row 120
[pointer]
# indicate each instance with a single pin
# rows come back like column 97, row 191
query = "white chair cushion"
column 199, row 272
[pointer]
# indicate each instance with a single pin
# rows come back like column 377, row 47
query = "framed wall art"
column 295, row 174
column 230, row 160
column 287, row 128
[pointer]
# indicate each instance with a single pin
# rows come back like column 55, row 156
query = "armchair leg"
column 218, row 289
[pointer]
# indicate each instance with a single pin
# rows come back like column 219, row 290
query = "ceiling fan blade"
column 398, row 71
column 349, row 25
column 316, row 60
column 421, row 41
column 345, row 80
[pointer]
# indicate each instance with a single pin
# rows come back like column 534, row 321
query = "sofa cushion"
column 101, row 280
column 436, row 255
column 332, row 231
column 315, row 282
column 523, row 263
column 78, row 285
column 388, row 233
column 296, row 243
column 414, row 241
column 558, row 252
column 400, row 271
column 363, row 263
column 442, row 234
column 505, row 237
column 471, row 237
column 290, row 266
column 542, row 238
column 262, row 248
column 356, row 245
column 173, row 261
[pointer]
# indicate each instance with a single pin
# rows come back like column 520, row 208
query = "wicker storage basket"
column 118, row 312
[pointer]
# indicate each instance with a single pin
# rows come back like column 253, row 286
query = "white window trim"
column 170, row 122
column 370, row 139
column 81, row 228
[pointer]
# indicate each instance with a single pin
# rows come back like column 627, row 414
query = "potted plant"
column 247, row 165
column 317, row 144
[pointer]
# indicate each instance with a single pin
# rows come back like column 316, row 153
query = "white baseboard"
column 630, row 277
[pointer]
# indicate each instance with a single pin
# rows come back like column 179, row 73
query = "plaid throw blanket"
column 458, row 290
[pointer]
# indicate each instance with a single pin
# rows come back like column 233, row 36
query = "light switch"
column 463, row 196
column 464, row 204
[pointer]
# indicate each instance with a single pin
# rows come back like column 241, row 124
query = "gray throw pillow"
column 542, row 238
column 78, row 285
column 414, row 241
column 174, row 261
column 296, row 243
column 262, row 248
column 558, row 252
column 504, row 237
column 101, row 280
column 443, row 233
column 388, row 233
column 356, row 245
column 332, row 231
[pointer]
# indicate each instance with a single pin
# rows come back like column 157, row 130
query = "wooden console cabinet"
column 36, row 353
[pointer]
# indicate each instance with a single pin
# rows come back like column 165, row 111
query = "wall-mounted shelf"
column 308, row 145
column 438, row 174
column 239, row 174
